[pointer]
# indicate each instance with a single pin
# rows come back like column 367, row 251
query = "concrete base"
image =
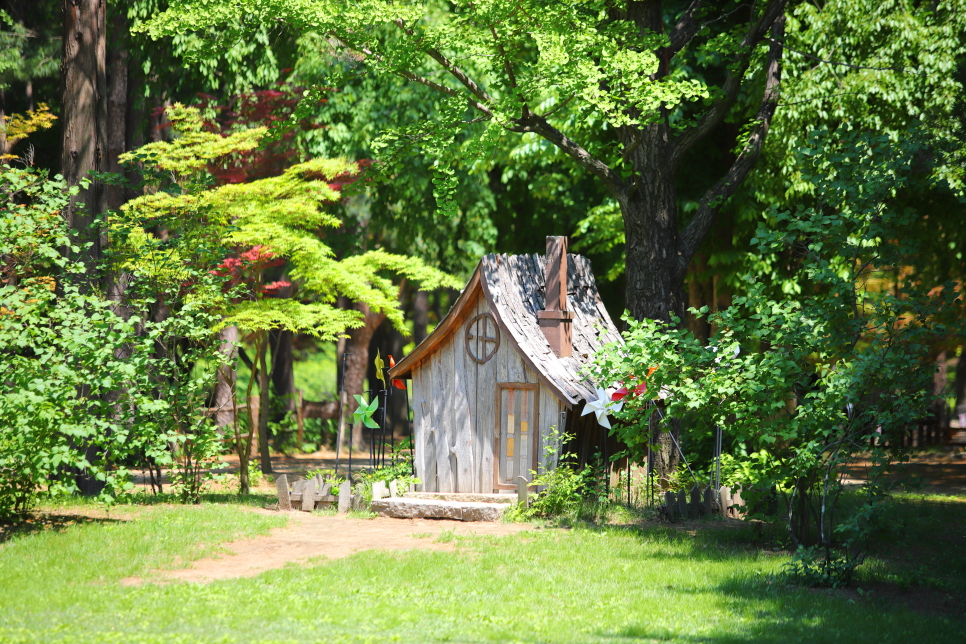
column 463, row 497
column 409, row 508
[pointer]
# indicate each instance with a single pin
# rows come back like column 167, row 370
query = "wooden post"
column 670, row 503
column 736, row 500
column 695, row 507
column 708, row 499
column 683, row 504
column 284, row 498
column 308, row 496
column 378, row 490
column 523, row 492
column 393, row 489
column 724, row 500
column 345, row 497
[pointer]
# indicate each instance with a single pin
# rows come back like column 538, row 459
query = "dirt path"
column 311, row 535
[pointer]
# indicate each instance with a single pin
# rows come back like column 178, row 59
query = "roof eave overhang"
column 404, row 368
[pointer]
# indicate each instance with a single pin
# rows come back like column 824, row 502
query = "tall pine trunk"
column 84, row 118
column 84, row 139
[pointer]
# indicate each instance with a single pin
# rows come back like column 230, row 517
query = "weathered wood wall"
column 454, row 410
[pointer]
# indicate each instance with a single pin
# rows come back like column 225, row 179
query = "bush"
column 807, row 377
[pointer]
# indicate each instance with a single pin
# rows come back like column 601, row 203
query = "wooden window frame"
column 535, row 431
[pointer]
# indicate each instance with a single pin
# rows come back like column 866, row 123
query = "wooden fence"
column 703, row 503
column 309, row 494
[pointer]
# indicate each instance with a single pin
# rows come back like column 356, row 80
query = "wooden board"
column 464, row 385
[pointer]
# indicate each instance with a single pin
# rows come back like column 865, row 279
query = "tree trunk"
column 420, row 316
column 83, row 121
column 84, row 117
column 357, row 344
column 117, row 109
column 655, row 274
column 223, row 399
column 283, row 378
column 264, row 402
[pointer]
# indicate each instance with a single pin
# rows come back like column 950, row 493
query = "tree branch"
column 457, row 73
column 685, row 29
column 732, row 84
column 445, row 90
column 539, row 125
column 698, row 228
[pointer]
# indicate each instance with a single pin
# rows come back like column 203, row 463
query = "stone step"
column 409, row 508
column 463, row 497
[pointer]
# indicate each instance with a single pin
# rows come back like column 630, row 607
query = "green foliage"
column 284, row 215
column 85, row 390
column 810, row 379
column 577, row 61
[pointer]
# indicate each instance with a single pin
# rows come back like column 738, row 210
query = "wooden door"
column 516, row 433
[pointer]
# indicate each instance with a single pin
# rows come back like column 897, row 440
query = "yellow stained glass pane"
column 524, row 426
column 509, row 447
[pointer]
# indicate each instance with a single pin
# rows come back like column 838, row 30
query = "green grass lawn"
column 588, row 584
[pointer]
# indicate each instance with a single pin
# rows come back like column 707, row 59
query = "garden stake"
column 717, row 458
column 683, row 458
column 338, row 440
column 349, row 478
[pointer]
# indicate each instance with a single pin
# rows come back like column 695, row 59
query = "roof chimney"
column 555, row 320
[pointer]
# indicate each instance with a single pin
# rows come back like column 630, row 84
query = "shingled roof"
column 514, row 288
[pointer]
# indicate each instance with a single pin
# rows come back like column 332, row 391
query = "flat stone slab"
column 463, row 497
column 408, row 508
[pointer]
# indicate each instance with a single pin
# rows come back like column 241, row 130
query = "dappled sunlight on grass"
column 590, row 583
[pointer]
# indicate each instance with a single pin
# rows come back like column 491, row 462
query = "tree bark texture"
column 420, row 316
column 224, row 400
column 84, row 116
column 264, row 402
column 283, row 379
column 117, row 106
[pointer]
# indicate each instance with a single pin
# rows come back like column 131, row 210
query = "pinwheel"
column 380, row 369
column 364, row 413
column 602, row 407
column 397, row 383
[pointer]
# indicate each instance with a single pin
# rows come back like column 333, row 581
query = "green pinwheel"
column 364, row 413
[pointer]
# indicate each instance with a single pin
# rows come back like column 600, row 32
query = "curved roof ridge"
column 514, row 286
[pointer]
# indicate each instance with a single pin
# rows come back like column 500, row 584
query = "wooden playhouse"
column 501, row 369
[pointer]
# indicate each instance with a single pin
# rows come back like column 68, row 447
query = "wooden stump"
column 378, row 490
column 308, row 496
column 345, row 497
column 671, row 504
column 724, row 500
column 696, row 507
column 284, row 497
column 523, row 492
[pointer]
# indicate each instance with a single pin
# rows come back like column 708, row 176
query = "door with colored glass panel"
column 516, row 433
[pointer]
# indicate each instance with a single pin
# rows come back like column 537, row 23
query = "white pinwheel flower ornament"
column 603, row 406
